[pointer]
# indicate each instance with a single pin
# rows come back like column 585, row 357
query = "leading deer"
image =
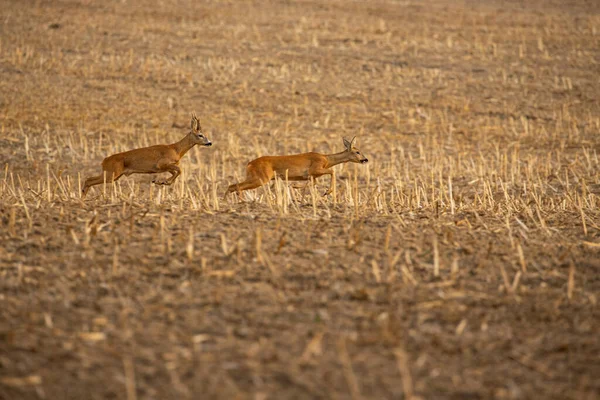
column 299, row 167
column 149, row 160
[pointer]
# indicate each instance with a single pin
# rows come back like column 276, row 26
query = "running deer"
column 149, row 160
column 299, row 167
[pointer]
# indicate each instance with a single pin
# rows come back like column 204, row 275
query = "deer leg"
column 230, row 188
column 97, row 180
column 255, row 177
column 89, row 182
column 246, row 185
column 251, row 182
column 317, row 172
column 331, row 183
column 173, row 169
column 300, row 186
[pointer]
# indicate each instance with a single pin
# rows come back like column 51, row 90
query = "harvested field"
column 461, row 262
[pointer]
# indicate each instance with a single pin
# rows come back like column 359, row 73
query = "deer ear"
column 347, row 144
column 352, row 141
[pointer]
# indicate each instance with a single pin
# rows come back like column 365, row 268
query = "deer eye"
column 358, row 152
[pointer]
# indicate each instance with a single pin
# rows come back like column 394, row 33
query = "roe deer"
column 299, row 167
column 149, row 160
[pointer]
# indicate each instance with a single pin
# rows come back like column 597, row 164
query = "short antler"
column 149, row 160
column 195, row 123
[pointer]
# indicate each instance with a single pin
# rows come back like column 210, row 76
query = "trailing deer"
column 299, row 167
column 149, row 160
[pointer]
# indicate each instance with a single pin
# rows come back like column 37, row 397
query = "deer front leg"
column 331, row 183
column 173, row 169
column 323, row 171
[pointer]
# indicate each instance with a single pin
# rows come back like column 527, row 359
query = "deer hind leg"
column 109, row 176
column 173, row 169
column 254, row 178
column 248, row 184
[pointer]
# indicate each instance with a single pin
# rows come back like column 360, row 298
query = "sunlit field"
column 461, row 262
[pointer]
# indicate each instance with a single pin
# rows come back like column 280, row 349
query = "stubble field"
column 461, row 262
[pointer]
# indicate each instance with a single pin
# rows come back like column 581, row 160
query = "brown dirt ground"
column 139, row 297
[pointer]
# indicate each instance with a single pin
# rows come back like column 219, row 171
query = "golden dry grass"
column 461, row 262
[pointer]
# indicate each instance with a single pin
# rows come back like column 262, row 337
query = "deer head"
column 354, row 154
column 197, row 134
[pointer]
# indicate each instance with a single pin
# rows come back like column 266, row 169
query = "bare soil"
column 462, row 262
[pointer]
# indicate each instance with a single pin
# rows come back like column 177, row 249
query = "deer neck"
column 184, row 145
column 337, row 158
